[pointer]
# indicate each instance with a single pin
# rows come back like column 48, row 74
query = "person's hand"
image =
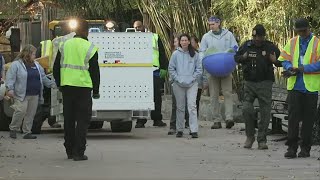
column 54, row 86
column 10, row 93
column 95, row 96
column 163, row 73
column 205, row 87
column 300, row 69
column 290, row 72
column 273, row 57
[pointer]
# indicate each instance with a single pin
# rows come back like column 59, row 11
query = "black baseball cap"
column 259, row 30
column 301, row 24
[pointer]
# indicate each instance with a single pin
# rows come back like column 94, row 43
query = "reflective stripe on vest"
column 311, row 80
column 75, row 56
column 155, row 47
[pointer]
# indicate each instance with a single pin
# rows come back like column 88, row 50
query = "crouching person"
column 24, row 80
column 184, row 69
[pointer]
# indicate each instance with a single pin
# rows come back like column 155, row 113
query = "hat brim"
column 301, row 29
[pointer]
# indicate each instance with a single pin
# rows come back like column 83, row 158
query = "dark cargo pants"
column 263, row 92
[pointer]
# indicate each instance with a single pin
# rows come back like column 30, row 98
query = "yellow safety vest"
column 46, row 50
column 75, row 56
column 291, row 52
column 57, row 42
column 155, row 55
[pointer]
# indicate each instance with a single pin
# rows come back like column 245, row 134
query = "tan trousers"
column 215, row 84
column 24, row 111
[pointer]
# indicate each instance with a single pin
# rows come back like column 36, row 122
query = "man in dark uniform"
column 158, row 78
column 257, row 57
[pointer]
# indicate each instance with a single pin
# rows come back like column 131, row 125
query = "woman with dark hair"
column 184, row 69
column 25, row 79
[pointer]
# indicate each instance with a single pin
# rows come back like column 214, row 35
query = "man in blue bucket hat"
column 257, row 57
column 220, row 40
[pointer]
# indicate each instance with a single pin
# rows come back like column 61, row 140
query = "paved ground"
column 151, row 154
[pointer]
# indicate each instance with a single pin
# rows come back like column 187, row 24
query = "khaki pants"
column 24, row 111
column 215, row 84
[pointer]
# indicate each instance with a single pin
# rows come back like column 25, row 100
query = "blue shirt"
column 303, row 45
column 33, row 81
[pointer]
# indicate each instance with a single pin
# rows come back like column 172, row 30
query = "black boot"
column 159, row 123
column 305, row 152
column 179, row 134
column 80, row 158
column 291, row 153
column 139, row 125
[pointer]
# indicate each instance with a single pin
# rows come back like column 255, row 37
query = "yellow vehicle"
column 63, row 27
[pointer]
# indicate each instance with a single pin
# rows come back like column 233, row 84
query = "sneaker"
column 290, row 154
column 194, row 135
column 80, row 158
column 172, row 132
column 159, row 123
column 56, row 125
column 139, row 125
column 304, row 153
column 13, row 134
column 179, row 134
column 262, row 146
column 249, row 142
column 216, row 125
column 229, row 124
column 29, row 136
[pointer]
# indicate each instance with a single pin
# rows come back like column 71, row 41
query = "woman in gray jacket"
column 184, row 69
column 24, row 81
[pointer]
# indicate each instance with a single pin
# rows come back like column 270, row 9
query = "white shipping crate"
column 126, row 72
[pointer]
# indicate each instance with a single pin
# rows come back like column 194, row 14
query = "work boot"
column 172, row 132
column 13, row 134
column 216, row 125
column 291, row 153
column 56, row 125
column 80, row 158
column 262, row 146
column 249, row 142
column 194, row 135
column 139, row 125
column 179, row 134
column 159, row 123
column 29, row 136
column 229, row 124
column 304, row 153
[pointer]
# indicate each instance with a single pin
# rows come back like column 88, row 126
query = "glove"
column 300, row 69
column 289, row 73
column 163, row 73
column 95, row 96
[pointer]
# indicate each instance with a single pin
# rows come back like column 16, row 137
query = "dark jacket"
column 257, row 66
column 163, row 60
column 93, row 70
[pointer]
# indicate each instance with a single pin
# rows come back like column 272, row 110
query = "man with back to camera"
column 76, row 71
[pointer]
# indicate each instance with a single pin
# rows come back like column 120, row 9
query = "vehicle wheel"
column 96, row 125
column 121, row 126
column 4, row 119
